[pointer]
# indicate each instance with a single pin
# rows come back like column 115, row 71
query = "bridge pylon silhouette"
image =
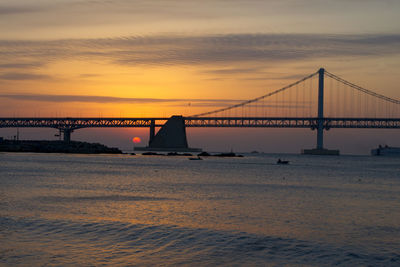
column 320, row 150
column 320, row 129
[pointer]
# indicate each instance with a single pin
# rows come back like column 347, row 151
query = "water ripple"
column 61, row 242
column 99, row 198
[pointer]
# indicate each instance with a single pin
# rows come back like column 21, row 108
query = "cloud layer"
column 333, row 16
column 17, row 76
column 119, row 100
column 194, row 50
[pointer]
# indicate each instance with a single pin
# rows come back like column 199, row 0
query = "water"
column 119, row 210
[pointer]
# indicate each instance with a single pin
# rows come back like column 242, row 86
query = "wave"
column 53, row 199
column 62, row 242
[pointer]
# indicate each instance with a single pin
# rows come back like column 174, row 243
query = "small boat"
column 197, row 158
column 282, row 161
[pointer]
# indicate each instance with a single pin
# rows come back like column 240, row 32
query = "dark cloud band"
column 110, row 99
column 15, row 76
column 190, row 50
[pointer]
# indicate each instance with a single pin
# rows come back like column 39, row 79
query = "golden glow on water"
column 266, row 199
column 138, row 209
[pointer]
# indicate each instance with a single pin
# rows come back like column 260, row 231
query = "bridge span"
column 68, row 125
column 310, row 103
column 65, row 124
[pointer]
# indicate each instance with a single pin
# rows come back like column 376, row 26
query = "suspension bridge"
column 319, row 101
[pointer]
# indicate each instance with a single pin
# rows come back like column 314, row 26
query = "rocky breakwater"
column 56, row 147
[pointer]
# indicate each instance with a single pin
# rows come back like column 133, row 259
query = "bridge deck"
column 256, row 122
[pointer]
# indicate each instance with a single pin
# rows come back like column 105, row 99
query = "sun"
column 136, row 140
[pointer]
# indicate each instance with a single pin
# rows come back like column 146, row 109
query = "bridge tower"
column 320, row 150
column 320, row 127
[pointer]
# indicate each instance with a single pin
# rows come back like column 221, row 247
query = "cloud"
column 15, row 76
column 150, row 10
column 111, row 99
column 174, row 102
column 14, row 9
column 21, row 65
column 258, row 71
column 230, row 71
column 202, row 50
column 88, row 75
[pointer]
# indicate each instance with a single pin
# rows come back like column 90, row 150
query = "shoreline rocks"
column 56, row 147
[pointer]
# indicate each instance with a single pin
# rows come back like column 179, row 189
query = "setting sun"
column 136, row 140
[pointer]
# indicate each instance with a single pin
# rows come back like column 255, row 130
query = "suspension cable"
column 337, row 78
column 256, row 99
column 359, row 88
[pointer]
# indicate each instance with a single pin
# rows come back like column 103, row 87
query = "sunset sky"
column 123, row 58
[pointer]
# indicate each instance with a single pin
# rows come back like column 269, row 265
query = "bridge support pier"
column 320, row 138
column 152, row 130
column 67, row 134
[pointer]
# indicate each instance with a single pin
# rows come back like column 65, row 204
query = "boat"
column 197, row 158
column 282, row 161
column 386, row 151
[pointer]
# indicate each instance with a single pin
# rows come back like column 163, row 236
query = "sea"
column 136, row 210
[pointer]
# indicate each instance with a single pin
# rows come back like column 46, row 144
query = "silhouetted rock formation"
column 171, row 137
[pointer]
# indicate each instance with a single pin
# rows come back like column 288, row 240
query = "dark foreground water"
column 79, row 210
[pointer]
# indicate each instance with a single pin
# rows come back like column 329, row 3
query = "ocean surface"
column 123, row 210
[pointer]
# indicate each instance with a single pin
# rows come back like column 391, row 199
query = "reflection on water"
column 122, row 210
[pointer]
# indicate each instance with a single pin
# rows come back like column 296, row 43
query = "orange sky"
column 141, row 59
